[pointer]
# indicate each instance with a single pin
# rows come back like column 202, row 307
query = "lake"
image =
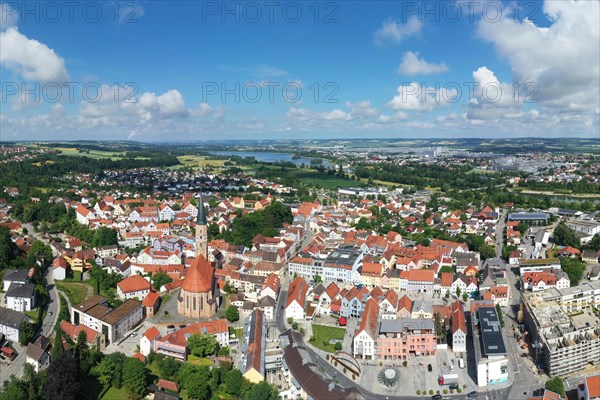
column 265, row 156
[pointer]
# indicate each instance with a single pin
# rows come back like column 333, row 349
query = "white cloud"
column 394, row 32
column 561, row 62
column 412, row 64
column 388, row 119
column 31, row 59
column 336, row 115
column 362, row 109
column 413, row 96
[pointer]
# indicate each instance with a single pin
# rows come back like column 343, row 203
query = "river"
column 265, row 156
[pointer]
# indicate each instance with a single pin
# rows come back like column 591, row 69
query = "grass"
column 199, row 360
column 76, row 292
column 322, row 332
column 33, row 315
column 115, row 394
column 92, row 389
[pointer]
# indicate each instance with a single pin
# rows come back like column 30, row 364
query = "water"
column 265, row 156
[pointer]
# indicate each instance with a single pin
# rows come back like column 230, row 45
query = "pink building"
column 399, row 338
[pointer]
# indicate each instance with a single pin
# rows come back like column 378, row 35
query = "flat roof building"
column 490, row 348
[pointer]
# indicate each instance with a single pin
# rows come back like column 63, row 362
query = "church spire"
column 201, row 218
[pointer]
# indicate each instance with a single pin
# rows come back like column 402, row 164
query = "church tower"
column 201, row 231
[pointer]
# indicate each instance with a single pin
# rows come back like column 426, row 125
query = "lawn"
column 327, row 333
column 115, row 394
column 76, row 292
column 95, row 154
column 199, row 360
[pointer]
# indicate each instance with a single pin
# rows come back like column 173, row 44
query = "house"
column 10, row 324
column 60, row 268
column 16, row 276
column 147, row 340
column 590, row 256
column 459, row 328
column 499, row 294
column 84, row 215
column 296, row 299
column 589, row 389
column 38, row 353
column 94, row 338
column 20, row 297
column 568, row 251
column 133, row 287
column 363, row 343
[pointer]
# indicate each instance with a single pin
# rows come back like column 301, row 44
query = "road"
column 16, row 367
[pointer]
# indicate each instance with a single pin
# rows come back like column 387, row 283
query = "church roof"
column 201, row 219
column 199, row 277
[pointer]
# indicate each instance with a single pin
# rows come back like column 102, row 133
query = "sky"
column 209, row 70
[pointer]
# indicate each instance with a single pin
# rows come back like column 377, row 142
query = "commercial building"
column 566, row 334
column 491, row 357
column 175, row 344
column 402, row 337
column 252, row 362
column 529, row 217
column 588, row 228
column 112, row 323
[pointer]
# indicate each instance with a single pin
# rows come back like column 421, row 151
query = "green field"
column 197, row 162
column 323, row 332
column 115, row 394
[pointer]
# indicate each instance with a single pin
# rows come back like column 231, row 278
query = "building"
column 147, row 340
column 112, row 323
column 133, row 287
column 199, row 296
column 38, row 353
column 150, row 303
column 252, row 362
column 20, row 297
column 459, row 328
column 546, row 279
column 365, row 337
column 538, row 264
column 491, row 357
column 10, row 324
column 403, row 337
column 529, row 217
column 567, row 337
column 589, row 389
column 296, row 299
column 587, row 228
column 175, row 344
column 94, row 338
column 16, row 276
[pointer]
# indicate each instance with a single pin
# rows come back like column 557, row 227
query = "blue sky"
column 352, row 69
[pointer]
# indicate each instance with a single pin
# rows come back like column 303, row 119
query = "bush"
column 431, row 391
column 445, row 391
column 405, row 363
column 312, row 339
column 418, row 392
column 459, row 390
column 337, row 346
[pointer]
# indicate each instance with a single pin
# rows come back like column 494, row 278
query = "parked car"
column 436, row 397
column 429, row 368
column 134, row 334
column 454, row 386
column 472, row 394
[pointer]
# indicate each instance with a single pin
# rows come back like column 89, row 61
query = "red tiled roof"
column 152, row 333
column 199, row 277
column 169, row 385
column 297, row 291
column 151, row 299
column 134, row 283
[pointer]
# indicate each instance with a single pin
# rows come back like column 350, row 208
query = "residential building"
column 16, row 276
column 589, row 389
column 252, row 362
column 296, row 299
column 147, row 340
column 10, row 324
column 365, row 337
column 491, row 357
column 133, row 287
column 175, row 344
column 20, row 297
column 94, row 338
column 38, row 354
column 459, row 328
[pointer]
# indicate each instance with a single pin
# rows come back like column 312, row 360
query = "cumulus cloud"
column 31, row 59
column 362, row 109
column 561, row 60
column 412, row 64
column 417, row 97
column 394, row 32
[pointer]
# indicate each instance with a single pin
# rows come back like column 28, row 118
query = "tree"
column 135, row 377
column 317, row 278
column 159, row 279
column 232, row 314
column 27, row 333
column 223, row 351
column 500, row 315
column 337, row 346
column 233, row 382
column 594, row 244
column 57, row 348
column 465, row 297
column 198, row 389
column 556, row 385
column 447, row 294
column 110, row 370
column 63, row 380
column 105, row 236
column 458, row 291
column 487, row 251
column 228, row 288
column 565, row 236
column 573, row 268
column 202, row 345
column 262, row 391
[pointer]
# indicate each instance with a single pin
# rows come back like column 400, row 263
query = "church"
column 199, row 296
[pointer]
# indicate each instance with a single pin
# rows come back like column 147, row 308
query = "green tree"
column 487, row 251
column 233, row 382
column 556, row 385
column 63, row 380
column 500, row 315
column 317, row 278
column 159, row 279
column 337, row 346
column 232, row 314
column 135, row 377
column 110, row 370
column 573, row 268
column 565, row 236
column 27, row 333
column 105, row 236
column 202, row 345
column 262, row 391
column 594, row 244
column 57, row 347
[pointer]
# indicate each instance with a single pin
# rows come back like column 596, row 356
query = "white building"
column 20, row 297
column 296, row 299
column 16, row 276
column 37, row 353
column 133, row 287
column 147, row 340
column 491, row 357
column 10, row 324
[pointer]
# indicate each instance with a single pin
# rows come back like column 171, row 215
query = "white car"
column 452, row 368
